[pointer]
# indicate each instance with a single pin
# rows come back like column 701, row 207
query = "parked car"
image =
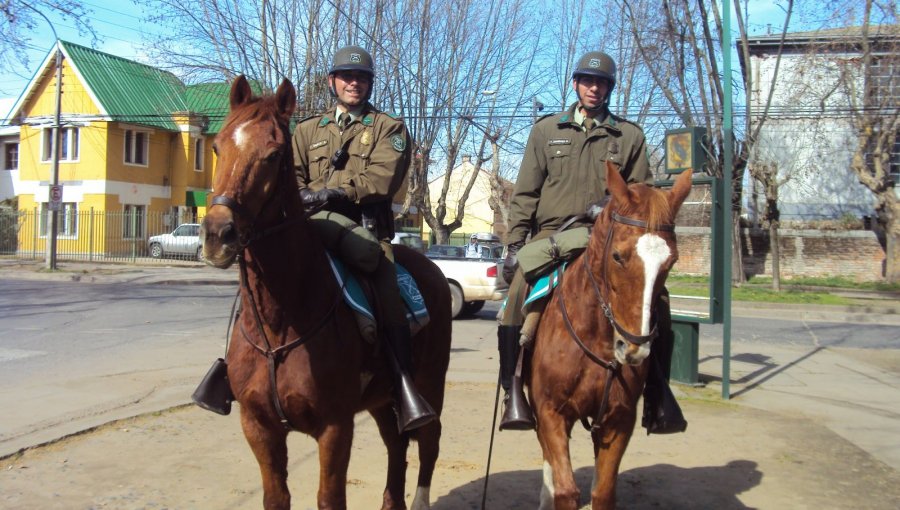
column 183, row 242
column 472, row 281
column 412, row 240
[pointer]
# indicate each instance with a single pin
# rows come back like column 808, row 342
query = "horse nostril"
column 229, row 234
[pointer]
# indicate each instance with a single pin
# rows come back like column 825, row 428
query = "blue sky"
column 119, row 26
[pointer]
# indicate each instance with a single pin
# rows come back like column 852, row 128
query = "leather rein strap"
column 613, row 366
column 277, row 354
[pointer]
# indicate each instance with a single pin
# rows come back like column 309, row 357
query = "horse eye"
column 618, row 258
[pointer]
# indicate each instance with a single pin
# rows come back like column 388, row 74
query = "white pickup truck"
column 472, row 280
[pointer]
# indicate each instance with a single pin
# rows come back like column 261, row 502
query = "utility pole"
column 54, row 193
column 54, row 202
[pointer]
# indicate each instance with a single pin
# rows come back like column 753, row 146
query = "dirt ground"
column 731, row 457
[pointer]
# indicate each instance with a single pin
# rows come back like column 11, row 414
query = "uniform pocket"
column 558, row 158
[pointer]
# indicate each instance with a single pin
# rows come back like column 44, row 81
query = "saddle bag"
column 347, row 240
column 538, row 258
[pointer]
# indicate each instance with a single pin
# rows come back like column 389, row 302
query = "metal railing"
column 92, row 236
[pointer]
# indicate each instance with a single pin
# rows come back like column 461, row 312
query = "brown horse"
column 297, row 360
column 595, row 332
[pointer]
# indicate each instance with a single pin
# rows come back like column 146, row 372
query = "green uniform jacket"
column 378, row 148
column 564, row 170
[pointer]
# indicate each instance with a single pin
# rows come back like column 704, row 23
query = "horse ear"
column 680, row 189
column 286, row 98
column 240, row 92
column 615, row 184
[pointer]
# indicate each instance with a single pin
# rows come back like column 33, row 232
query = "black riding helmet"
column 353, row 58
column 597, row 63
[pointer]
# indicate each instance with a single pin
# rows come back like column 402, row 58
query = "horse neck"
column 288, row 275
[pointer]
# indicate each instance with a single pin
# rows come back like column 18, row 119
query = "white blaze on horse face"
column 654, row 251
column 240, row 136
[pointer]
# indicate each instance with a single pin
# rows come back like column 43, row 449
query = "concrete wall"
column 853, row 254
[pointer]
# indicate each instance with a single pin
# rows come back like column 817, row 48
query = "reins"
column 273, row 355
column 612, row 367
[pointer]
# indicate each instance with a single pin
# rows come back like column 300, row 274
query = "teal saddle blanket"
column 544, row 286
column 356, row 298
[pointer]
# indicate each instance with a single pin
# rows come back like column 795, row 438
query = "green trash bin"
column 686, row 351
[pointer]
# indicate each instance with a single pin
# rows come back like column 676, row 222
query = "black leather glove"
column 319, row 198
column 511, row 263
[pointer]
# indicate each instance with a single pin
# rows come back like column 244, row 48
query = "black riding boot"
column 662, row 414
column 214, row 392
column 413, row 411
column 517, row 414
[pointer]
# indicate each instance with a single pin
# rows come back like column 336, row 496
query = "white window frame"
column 198, row 153
column 67, row 224
column 69, row 146
column 7, row 165
column 131, row 147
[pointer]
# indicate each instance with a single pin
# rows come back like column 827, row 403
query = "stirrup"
column 413, row 411
column 214, row 392
column 517, row 414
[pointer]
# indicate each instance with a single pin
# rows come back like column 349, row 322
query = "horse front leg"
column 335, row 442
column 558, row 491
column 609, row 448
column 269, row 445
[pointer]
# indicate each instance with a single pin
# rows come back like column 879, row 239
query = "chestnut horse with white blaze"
column 596, row 331
column 297, row 360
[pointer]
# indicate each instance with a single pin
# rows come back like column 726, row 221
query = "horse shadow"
column 644, row 488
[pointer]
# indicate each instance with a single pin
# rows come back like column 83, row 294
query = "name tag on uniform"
column 318, row 144
column 559, row 141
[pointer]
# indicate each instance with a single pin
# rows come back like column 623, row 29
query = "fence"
column 93, row 236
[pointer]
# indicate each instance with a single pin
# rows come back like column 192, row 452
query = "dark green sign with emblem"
column 398, row 143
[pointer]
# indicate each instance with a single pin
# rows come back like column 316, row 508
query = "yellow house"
column 135, row 143
column 478, row 216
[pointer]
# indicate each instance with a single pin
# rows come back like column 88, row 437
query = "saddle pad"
column 356, row 299
column 544, row 285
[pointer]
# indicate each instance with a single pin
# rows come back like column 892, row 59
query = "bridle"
column 274, row 355
column 612, row 366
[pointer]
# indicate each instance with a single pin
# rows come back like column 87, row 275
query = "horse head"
column 254, row 182
column 632, row 250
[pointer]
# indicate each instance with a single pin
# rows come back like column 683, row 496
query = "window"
column 67, row 222
column 11, row 156
column 133, row 222
column 68, row 144
column 198, row 154
column 136, row 147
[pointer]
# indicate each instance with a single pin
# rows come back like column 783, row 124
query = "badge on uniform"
column 366, row 137
column 318, row 144
column 398, row 143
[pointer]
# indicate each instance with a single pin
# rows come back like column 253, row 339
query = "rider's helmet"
column 353, row 58
column 597, row 63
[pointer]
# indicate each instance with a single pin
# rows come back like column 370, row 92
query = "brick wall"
column 853, row 254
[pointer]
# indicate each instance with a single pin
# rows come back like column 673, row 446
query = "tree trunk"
column 441, row 235
column 775, row 250
column 892, row 244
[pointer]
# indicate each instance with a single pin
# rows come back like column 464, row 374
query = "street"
column 99, row 351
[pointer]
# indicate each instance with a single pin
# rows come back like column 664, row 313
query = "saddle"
column 359, row 296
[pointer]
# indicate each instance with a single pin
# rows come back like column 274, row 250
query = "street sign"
column 56, row 194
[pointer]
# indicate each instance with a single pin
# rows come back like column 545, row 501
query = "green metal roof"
column 136, row 93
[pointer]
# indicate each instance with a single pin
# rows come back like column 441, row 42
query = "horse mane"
column 645, row 202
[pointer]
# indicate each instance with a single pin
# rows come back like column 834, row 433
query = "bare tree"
column 21, row 20
column 679, row 43
column 872, row 88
